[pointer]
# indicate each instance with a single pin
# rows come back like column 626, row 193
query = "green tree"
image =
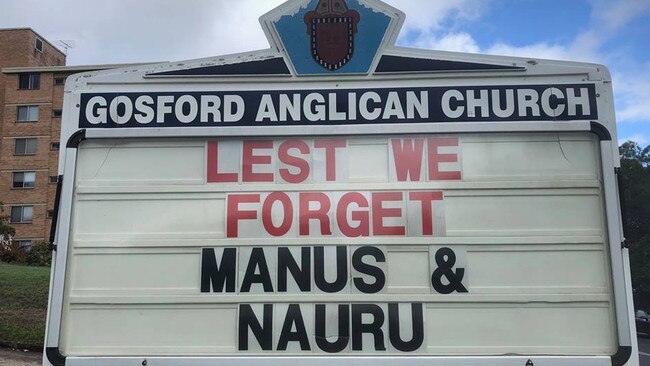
column 5, row 229
column 7, row 253
column 635, row 170
column 640, row 263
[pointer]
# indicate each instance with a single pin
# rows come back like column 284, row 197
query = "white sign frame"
column 142, row 78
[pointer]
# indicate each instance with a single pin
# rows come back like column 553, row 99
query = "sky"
column 615, row 33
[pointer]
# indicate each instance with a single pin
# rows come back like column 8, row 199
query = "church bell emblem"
column 332, row 26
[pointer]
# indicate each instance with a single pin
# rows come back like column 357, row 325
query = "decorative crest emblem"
column 332, row 27
column 326, row 37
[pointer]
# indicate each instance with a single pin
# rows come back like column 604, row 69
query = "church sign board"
column 336, row 198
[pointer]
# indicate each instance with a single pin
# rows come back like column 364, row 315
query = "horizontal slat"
column 89, row 243
column 268, row 360
column 483, row 158
column 451, row 329
column 94, row 299
column 490, row 270
column 84, row 191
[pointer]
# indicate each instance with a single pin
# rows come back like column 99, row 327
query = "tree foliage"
column 40, row 255
column 635, row 170
column 630, row 150
column 6, row 231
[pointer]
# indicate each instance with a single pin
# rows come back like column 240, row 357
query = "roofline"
column 39, row 36
column 17, row 28
column 75, row 69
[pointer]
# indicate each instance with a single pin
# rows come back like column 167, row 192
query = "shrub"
column 6, row 254
column 6, row 231
column 12, row 253
column 40, row 255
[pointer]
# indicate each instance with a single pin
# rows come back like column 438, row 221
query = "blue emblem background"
column 296, row 40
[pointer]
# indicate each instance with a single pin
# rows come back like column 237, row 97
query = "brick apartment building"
column 32, row 80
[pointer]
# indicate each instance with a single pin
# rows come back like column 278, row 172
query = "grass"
column 23, row 305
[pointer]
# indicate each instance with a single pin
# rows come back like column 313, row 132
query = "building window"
column 29, row 81
column 50, row 214
column 55, row 146
column 59, row 81
column 54, row 179
column 25, row 244
column 24, row 180
column 57, row 113
column 27, row 113
column 25, row 146
column 22, row 214
column 39, row 45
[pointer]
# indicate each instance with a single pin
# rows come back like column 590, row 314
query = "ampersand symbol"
column 446, row 260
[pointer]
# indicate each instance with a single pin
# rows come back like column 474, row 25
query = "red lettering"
column 435, row 158
column 319, row 214
column 426, row 199
column 379, row 213
column 213, row 167
column 300, row 163
column 234, row 214
column 408, row 159
column 330, row 147
column 249, row 160
column 363, row 217
column 267, row 215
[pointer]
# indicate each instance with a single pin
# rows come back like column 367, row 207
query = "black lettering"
column 301, row 274
column 344, row 329
column 263, row 333
column 257, row 260
column 215, row 276
column 418, row 328
column 294, row 316
column 446, row 260
column 374, row 328
column 341, row 269
column 369, row 269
